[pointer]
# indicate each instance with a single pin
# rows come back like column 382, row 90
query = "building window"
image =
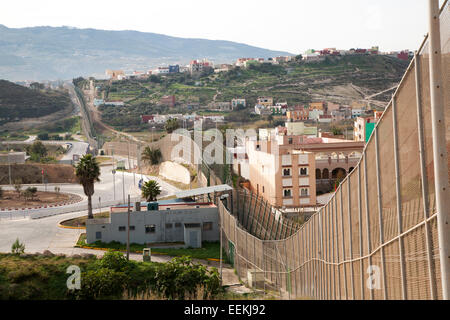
column 98, row 235
column 151, row 228
column 263, row 189
column 304, row 192
column 122, row 228
column 291, row 140
column 303, row 171
column 287, row 193
column 207, row 226
column 132, row 228
column 178, row 225
column 169, row 225
column 286, row 172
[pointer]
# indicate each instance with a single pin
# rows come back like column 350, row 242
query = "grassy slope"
column 20, row 102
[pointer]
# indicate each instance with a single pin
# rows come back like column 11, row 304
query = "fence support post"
column 380, row 212
column 321, row 257
column 350, row 246
column 399, row 199
column 439, row 146
column 333, row 260
column 424, row 177
column 337, row 246
column 341, row 207
column 361, row 265
column 366, row 198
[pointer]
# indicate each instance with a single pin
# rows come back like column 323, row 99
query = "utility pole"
column 9, row 168
column 128, row 230
column 123, row 185
column 439, row 146
column 114, row 175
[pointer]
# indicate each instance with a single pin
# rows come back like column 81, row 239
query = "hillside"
column 344, row 80
column 18, row 102
column 63, row 53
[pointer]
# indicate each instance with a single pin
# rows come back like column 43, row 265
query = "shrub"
column 17, row 247
column 181, row 277
column 113, row 260
column 102, row 283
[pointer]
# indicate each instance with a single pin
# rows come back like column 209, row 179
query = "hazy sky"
column 288, row 25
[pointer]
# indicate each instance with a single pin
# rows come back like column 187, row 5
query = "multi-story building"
column 365, row 126
column 221, row 106
column 284, row 164
column 199, row 66
column 297, row 113
column 265, row 101
column 314, row 114
column 238, row 102
column 281, row 174
column 114, row 74
column 317, row 105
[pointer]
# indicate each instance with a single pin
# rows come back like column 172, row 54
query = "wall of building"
column 161, row 219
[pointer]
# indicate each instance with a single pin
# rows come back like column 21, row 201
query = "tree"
column 150, row 190
column 37, row 151
column 152, row 156
column 87, row 172
column 17, row 247
column 171, row 125
column 18, row 186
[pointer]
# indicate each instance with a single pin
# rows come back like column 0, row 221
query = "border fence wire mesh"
column 377, row 238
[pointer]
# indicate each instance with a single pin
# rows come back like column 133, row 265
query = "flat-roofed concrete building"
column 173, row 222
column 13, row 157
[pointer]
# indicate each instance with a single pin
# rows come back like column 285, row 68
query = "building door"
column 193, row 239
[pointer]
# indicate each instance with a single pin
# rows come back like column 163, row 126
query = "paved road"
column 79, row 148
column 110, row 188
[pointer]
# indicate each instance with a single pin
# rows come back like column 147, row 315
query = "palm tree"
column 150, row 190
column 87, row 172
column 152, row 156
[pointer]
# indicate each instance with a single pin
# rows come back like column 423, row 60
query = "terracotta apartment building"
column 284, row 176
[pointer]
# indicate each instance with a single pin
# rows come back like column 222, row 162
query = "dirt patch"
column 11, row 199
column 32, row 173
column 81, row 221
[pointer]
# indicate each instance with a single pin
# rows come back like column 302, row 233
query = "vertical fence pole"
column 341, row 210
column 361, row 265
column 254, row 217
column 333, row 259
column 350, row 246
column 399, row 200
column 439, row 146
column 424, row 177
column 366, row 199
column 310, row 271
column 321, row 257
column 337, row 246
column 327, row 253
column 380, row 213
column 301, row 254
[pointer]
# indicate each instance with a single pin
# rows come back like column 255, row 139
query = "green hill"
column 18, row 102
column 340, row 80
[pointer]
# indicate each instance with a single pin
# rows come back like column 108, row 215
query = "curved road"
column 111, row 189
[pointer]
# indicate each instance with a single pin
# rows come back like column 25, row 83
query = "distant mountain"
column 50, row 53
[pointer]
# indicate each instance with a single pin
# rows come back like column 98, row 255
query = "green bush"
column 181, row 276
column 102, row 283
column 113, row 260
column 17, row 247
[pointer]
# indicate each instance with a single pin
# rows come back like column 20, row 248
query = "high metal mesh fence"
column 377, row 238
